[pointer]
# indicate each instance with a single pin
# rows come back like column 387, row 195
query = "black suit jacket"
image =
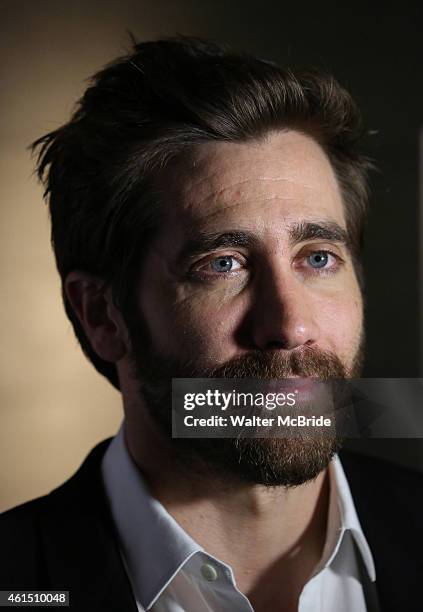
column 66, row 540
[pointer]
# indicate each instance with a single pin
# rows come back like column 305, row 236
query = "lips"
column 295, row 383
column 308, row 393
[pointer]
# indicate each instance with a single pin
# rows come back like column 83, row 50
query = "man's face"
column 250, row 260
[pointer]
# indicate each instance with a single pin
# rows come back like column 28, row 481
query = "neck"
column 286, row 527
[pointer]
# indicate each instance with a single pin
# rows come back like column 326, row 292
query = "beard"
column 270, row 461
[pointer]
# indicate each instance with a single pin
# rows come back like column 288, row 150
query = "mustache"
column 155, row 373
column 303, row 362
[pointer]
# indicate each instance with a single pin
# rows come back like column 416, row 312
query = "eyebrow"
column 203, row 242
column 321, row 230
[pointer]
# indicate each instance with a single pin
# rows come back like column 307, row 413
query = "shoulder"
column 389, row 502
column 381, row 477
column 68, row 495
column 19, row 539
column 32, row 531
column 384, row 491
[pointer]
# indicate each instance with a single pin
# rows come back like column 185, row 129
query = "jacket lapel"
column 388, row 500
column 81, row 544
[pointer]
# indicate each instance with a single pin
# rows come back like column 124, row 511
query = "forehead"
column 284, row 178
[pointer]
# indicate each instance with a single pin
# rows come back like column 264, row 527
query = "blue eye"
column 319, row 259
column 222, row 264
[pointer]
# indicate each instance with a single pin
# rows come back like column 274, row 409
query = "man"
column 207, row 212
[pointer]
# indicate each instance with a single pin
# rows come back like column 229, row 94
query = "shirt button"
column 209, row 572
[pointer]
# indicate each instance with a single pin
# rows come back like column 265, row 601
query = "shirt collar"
column 343, row 517
column 155, row 547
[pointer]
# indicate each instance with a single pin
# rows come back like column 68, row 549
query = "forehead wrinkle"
column 213, row 161
column 190, row 204
column 220, row 172
column 201, row 194
column 220, row 211
column 255, row 179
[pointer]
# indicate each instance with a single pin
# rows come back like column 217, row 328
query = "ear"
column 101, row 320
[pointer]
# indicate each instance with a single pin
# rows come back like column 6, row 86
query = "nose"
column 283, row 315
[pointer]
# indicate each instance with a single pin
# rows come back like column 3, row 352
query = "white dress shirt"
column 171, row 572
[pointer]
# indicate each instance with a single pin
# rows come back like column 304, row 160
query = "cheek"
column 341, row 324
column 187, row 320
column 208, row 321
